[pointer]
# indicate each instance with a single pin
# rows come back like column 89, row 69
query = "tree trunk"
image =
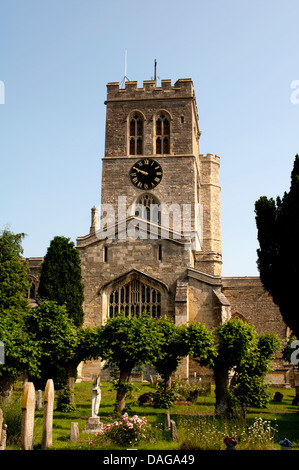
column 121, row 394
column 221, row 382
column 6, row 388
column 71, row 378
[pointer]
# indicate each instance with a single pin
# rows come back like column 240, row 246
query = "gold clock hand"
column 140, row 171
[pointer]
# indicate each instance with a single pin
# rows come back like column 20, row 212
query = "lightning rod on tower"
column 125, row 77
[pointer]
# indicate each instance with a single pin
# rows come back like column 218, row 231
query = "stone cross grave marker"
column 48, row 414
column 94, row 424
column 28, row 410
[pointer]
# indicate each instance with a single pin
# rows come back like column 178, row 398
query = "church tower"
column 155, row 240
column 161, row 124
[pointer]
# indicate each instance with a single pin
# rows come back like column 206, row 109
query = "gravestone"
column 74, row 432
column 174, row 432
column 2, row 353
column 278, row 397
column 3, row 437
column 167, row 421
column 1, row 423
column 145, row 399
column 48, row 414
column 39, row 401
column 28, row 410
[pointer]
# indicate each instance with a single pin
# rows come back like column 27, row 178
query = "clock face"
column 146, row 174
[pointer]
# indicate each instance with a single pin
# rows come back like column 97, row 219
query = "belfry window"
column 136, row 135
column 135, row 298
column 162, row 135
column 148, row 208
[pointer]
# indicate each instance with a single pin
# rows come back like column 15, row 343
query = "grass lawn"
column 284, row 416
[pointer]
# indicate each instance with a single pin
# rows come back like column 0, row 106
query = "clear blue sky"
column 55, row 60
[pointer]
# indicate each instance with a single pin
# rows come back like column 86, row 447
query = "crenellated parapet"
column 183, row 88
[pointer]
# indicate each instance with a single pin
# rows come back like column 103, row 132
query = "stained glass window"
column 134, row 298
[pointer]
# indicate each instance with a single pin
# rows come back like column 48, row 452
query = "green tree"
column 62, row 345
column 278, row 254
column 55, row 333
column 248, row 383
column 235, row 341
column 13, row 271
column 126, row 344
column 180, row 341
column 241, row 350
column 61, row 279
column 172, row 350
column 22, row 353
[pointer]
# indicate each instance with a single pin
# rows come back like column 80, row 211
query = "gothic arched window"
column 147, row 207
column 239, row 316
column 32, row 290
column 136, row 135
column 134, row 298
column 162, row 135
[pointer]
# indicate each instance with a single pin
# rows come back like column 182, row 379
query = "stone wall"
column 251, row 301
column 123, row 256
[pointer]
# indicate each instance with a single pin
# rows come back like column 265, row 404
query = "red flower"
column 230, row 441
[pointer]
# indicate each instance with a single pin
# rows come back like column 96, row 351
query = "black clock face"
column 146, row 174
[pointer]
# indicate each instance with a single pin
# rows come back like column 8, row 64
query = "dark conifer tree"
column 278, row 256
column 61, row 279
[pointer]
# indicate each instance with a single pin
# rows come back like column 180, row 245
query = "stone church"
column 154, row 242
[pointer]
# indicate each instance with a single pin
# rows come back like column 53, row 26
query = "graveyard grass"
column 283, row 416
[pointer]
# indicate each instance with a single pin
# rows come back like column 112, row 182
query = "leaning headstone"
column 3, row 437
column 28, row 409
column 48, row 414
column 167, row 421
column 39, row 400
column 74, row 432
column 174, row 432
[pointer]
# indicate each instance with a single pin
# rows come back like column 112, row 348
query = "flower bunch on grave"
column 126, row 430
column 285, row 443
column 230, row 441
